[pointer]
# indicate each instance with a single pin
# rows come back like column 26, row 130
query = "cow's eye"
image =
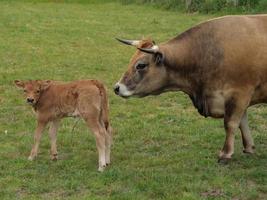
column 24, row 91
column 141, row 66
column 37, row 91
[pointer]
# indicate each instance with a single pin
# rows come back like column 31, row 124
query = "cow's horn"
column 129, row 42
column 152, row 50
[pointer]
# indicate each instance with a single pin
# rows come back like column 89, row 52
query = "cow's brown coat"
column 221, row 64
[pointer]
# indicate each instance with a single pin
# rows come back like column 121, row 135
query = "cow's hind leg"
column 247, row 139
column 53, row 138
column 234, row 110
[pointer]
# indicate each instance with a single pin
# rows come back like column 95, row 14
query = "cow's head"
column 32, row 89
column 146, row 72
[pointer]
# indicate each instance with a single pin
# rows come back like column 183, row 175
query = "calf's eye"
column 37, row 91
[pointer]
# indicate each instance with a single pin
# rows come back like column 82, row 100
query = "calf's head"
column 146, row 73
column 32, row 89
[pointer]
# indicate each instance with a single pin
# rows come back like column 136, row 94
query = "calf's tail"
column 104, row 106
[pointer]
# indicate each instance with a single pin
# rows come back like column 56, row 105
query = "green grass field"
column 163, row 149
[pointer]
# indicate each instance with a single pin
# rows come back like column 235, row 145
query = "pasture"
column 163, row 149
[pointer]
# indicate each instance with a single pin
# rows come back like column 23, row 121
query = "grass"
column 163, row 149
column 206, row 6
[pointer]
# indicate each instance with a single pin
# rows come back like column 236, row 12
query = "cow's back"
column 244, row 43
column 243, row 39
column 229, row 49
column 224, row 55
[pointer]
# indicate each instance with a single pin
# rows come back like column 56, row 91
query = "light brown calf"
column 53, row 101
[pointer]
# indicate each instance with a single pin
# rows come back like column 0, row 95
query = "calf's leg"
column 91, row 117
column 247, row 139
column 37, row 137
column 53, row 139
column 99, row 133
column 108, row 140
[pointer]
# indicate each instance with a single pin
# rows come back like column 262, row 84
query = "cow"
column 221, row 64
column 52, row 101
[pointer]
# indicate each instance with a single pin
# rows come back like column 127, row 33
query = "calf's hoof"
column 54, row 157
column 31, row 158
column 101, row 168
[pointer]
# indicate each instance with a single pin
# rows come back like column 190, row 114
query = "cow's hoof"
column 224, row 161
column 249, row 150
column 224, row 158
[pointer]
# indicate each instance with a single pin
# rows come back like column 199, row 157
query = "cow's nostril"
column 117, row 89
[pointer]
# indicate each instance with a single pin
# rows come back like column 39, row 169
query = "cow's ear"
column 159, row 58
column 45, row 84
column 19, row 84
column 158, row 55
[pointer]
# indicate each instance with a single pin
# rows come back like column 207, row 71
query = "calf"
column 53, row 101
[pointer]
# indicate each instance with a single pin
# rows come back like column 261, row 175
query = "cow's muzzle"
column 116, row 89
column 121, row 90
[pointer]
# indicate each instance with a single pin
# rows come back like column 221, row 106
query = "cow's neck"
column 176, row 82
column 180, row 66
column 184, row 74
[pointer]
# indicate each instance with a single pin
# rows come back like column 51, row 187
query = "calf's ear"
column 45, row 84
column 19, row 84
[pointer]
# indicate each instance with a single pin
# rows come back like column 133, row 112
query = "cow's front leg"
column 234, row 111
column 37, row 137
column 247, row 139
column 53, row 139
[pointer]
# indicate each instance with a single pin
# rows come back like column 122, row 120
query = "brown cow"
column 53, row 101
column 221, row 64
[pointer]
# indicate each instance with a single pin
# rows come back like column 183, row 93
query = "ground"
column 163, row 149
